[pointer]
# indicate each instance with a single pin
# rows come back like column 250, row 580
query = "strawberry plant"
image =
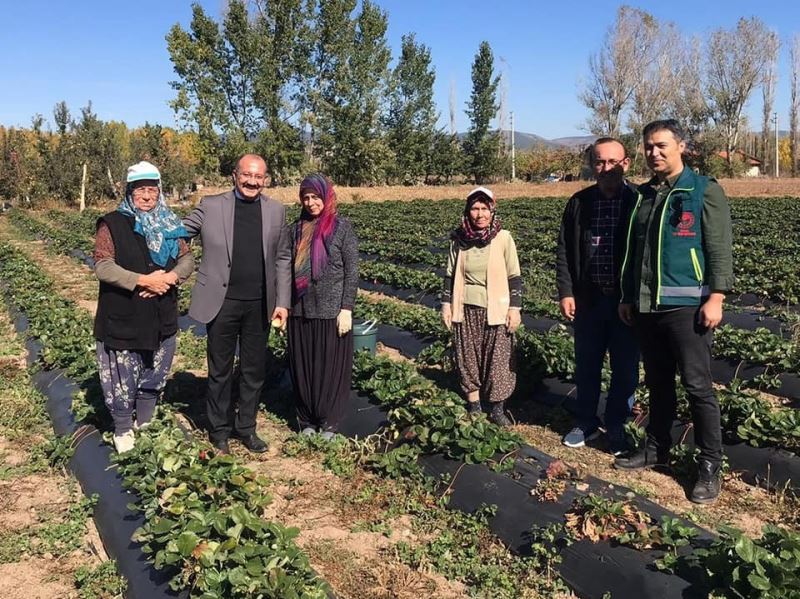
column 204, row 521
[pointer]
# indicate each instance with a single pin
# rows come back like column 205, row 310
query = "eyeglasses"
column 141, row 192
column 612, row 162
column 247, row 176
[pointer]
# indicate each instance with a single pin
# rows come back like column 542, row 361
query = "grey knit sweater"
column 336, row 288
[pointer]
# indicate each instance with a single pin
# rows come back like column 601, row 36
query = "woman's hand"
column 155, row 283
column 513, row 319
column 344, row 322
column 447, row 316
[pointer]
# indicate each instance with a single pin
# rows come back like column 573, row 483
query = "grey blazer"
column 213, row 221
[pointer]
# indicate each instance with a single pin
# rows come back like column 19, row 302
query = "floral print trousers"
column 132, row 380
column 484, row 356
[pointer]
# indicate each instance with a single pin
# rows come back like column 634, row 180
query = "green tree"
column 482, row 146
column 216, row 80
column 284, row 26
column 447, row 159
column 62, row 117
column 101, row 146
column 237, row 82
column 350, row 69
column 411, row 116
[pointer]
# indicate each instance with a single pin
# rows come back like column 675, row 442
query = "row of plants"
column 204, row 520
column 732, row 565
column 188, row 495
column 759, row 346
column 61, row 240
column 57, row 527
column 763, row 264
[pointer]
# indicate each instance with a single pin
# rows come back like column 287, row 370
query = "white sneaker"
column 124, row 442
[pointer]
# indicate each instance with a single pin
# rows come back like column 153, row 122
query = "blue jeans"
column 598, row 329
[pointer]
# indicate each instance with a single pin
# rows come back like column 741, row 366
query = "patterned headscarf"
column 160, row 227
column 467, row 235
column 312, row 235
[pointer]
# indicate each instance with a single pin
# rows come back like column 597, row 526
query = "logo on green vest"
column 685, row 225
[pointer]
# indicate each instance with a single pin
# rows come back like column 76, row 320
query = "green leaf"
column 744, row 549
column 186, row 542
column 758, row 582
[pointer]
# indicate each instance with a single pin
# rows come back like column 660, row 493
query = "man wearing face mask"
column 243, row 282
column 588, row 259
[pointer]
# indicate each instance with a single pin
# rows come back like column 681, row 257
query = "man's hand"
column 279, row 318
column 155, row 283
column 710, row 313
column 626, row 314
column 344, row 322
column 513, row 318
column 447, row 316
column 567, row 305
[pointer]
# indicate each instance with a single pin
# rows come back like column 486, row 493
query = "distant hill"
column 526, row 141
column 577, row 141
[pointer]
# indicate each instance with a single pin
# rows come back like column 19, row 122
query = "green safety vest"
column 679, row 279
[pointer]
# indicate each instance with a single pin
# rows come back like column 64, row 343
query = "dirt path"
column 43, row 542
column 334, row 514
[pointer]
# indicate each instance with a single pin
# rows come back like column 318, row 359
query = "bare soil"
column 741, row 505
column 332, row 514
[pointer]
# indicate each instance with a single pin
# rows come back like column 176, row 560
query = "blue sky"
column 114, row 53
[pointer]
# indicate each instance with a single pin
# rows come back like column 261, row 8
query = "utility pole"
column 513, row 152
column 777, row 174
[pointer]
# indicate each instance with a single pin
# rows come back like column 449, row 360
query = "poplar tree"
column 237, row 82
column 482, row 146
column 411, row 116
column 350, row 64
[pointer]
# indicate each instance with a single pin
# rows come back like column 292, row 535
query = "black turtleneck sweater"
column 247, row 257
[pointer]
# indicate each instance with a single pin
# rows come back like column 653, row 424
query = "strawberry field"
column 416, row 490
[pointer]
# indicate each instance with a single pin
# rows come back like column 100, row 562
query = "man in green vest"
column 676, row 268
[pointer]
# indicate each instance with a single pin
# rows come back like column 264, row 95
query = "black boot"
column 709, row 483
column 497, row 414
column 646, row 456
column 474, row 407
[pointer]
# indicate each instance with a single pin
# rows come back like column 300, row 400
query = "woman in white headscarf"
column 140, row 258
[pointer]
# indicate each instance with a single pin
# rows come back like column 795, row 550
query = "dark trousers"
column 671, row 340
column 321, row 367
column 598, row 329
column 245, row 322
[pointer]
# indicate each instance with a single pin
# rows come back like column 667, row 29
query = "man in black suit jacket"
column 243, row 282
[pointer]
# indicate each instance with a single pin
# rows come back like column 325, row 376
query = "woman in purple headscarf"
column 325, row 282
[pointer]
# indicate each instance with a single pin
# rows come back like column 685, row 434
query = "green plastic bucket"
column 365, row 335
